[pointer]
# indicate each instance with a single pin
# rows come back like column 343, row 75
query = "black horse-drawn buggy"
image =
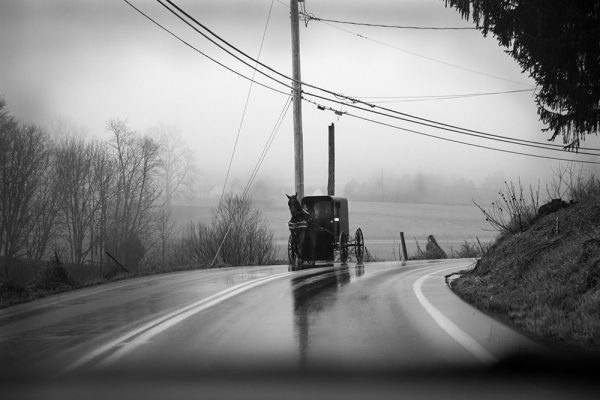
column 319, row 226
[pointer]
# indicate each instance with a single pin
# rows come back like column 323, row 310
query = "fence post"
column 403, row 243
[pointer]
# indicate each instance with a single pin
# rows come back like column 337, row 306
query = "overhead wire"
column 200, row 51
column 468, row 143
column 404, row 99
column 413, row 119
column 267, row 146
column 417, row 54
column 257, row 166
column 312, row 17
column 262, row 41
column 423, row 121
column 463, row 131
column 340, row 113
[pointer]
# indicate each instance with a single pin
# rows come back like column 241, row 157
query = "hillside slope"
column 544, row 281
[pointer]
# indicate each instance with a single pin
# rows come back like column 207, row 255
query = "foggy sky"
column 91, row 61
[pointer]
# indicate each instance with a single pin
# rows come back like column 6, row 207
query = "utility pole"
column 331, row 175
column 382, row 196
column 297, row 101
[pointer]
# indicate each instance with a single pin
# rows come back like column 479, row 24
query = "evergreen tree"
column 558, row 43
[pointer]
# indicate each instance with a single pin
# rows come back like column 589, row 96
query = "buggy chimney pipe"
column 331, row 179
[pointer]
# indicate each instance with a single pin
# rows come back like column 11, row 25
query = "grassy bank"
column 544, row 281
column 26, row 280
column 29, row 280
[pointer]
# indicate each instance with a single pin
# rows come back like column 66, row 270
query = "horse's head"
column 294, row 204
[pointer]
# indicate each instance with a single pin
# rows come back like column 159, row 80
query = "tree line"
column 84, row 198
column 99, row 201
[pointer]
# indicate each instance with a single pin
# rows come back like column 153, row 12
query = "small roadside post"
column 403, row 244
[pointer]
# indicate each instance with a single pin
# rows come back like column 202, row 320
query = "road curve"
column 371, row 318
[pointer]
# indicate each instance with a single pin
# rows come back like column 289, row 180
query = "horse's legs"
column 301, row 236
column 312, row 241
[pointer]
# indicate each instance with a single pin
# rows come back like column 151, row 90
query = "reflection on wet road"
column 382, row 330
column 313, row 293
column 336, row 316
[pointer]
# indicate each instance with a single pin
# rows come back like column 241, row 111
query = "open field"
column 381, row 223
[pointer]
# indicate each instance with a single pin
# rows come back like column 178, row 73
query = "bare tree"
column 23, row 159
column 45, row 210
column 74, row 171
column 136, row 190
column 162, row 238
column 104, row 167
column 572, row 183
column 176, row 169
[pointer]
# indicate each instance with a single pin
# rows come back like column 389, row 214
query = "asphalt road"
column 377, row 320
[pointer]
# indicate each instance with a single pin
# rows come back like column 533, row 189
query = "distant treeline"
column 422, row 188
column 414, row 188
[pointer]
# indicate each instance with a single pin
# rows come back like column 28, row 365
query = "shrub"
column 468, row 250
column 238, row 234
column 514, row 211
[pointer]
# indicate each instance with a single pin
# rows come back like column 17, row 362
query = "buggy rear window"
column 320, row 209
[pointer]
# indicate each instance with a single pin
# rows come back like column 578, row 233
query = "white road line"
column 138, row 336
column 87, row 291
column 448, row 326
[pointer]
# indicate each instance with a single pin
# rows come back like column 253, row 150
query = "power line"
column 257, row 166
column 200, row 51
column 245, row 105
column 467, row 143
column 414, row 119
column 267, row 146
column 354, row 100
column 436, row 60
column 450, row 128
column 406, row 99
column 257, row 62
column 312, row 17
column 416, row 54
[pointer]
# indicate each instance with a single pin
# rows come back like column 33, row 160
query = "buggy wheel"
column 292, row 252
column 343, row 246
column 359, row 245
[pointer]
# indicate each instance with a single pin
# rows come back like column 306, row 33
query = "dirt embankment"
column 544, row 281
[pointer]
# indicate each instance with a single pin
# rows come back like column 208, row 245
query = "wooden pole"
column 297, row 101
column 331, row 180
column 382, row 195
column 403, row 243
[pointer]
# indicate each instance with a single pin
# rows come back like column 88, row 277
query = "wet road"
column 373, row 318
column 382, row 315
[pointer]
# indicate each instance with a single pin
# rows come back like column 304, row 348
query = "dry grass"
column 545, row 280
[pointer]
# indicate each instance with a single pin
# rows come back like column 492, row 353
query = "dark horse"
column 301, row 228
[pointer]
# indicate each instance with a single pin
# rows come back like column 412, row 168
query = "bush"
column 52, row 278
column 238, row 234
column 514, row 211
column 468, row 250
column 570, row 183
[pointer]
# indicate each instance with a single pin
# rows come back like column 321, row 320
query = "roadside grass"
column 26, row 280
column 467, row 249
column 29, row 280
column 545, row 281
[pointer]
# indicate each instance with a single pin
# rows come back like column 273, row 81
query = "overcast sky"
column 91, row 61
